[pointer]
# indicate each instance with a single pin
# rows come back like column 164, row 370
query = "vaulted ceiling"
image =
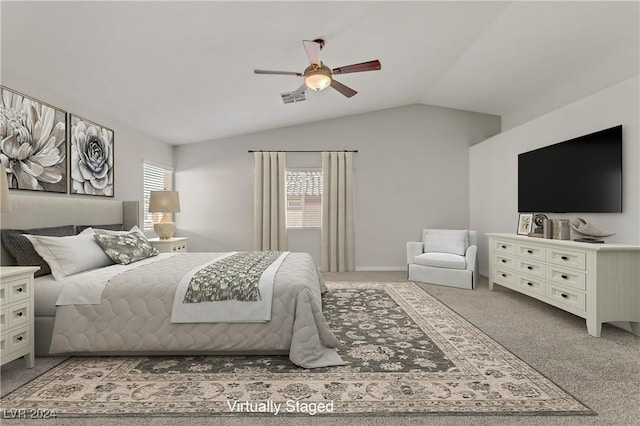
column 183, row 72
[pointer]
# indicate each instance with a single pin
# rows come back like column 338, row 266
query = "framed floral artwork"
column 91, row 158
column 525, row 223
column 33, row 144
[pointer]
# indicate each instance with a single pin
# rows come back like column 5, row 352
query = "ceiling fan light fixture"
column 317, row 78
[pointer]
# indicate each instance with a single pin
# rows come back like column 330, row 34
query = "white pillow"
column 135, row 228
column 446, row 241
column 70, row 255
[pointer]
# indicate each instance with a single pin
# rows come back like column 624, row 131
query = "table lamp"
column 164, row 202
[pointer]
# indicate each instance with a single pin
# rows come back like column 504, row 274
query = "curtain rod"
column 285, row 150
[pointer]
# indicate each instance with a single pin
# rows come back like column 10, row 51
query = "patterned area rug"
column 406, row 354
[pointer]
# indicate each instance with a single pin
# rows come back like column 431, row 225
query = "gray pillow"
column 127, row 248
column 112, row 227
column 22, row 250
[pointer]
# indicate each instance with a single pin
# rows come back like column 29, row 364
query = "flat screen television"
column 581, row 175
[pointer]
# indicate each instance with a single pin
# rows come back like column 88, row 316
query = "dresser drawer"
column 531, row 267
column 504, row 246
column 18, row 315
column 569, row 298
column 567, row 277
column 532, row 285
column 531, row 251
column 504, row 276
column 568, row 258
column 504, row 261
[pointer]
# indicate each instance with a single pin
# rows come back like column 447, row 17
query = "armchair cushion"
column 446, row 241
column 441, row 260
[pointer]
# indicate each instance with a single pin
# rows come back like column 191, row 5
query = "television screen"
column 581, row 175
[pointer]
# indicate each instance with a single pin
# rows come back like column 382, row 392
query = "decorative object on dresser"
column 538, row 229
column 525, row 223
column 164, row 202
column 445, row 257
column 16, row 319
column 596, row 282
column 588, row 232
column 91, row 157
column 34, row 144
column 174, row 244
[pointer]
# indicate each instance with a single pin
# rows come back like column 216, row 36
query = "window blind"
column 304, row 198
column 155, row 178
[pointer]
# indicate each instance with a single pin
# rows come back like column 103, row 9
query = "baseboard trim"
column 380, row 268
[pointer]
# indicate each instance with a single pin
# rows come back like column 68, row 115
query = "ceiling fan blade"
column 347, row 91
column 312, row 48
column 277, row 72
column 363, row 66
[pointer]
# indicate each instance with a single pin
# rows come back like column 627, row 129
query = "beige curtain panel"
column 269, row 217
column 337, row 241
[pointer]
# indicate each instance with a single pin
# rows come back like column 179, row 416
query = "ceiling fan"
column 318, row 76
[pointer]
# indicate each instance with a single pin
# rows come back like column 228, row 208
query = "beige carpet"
column 603, row 373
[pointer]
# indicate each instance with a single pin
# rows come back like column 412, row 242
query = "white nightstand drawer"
column 16, row 290
column 19, row 340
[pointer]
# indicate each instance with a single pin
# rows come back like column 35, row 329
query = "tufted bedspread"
column 134, row 316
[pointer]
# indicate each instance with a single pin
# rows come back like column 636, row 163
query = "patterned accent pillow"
column 22, row 250
column 127, row 248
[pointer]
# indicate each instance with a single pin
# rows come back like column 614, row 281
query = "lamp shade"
column 5, row 205
column 164, row 202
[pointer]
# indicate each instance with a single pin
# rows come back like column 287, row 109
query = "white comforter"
column 134, row 316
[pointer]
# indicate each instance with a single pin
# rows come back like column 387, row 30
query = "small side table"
column 16, row 317
column 176, row 244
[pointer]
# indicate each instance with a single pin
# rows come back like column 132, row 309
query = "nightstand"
column 176, row 244
column 16, row 318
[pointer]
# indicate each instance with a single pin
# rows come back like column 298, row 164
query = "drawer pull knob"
column 564, row 295
column 530, row 284
column 564, row 258
column 504, row 260
column 564, row 277
column 503, row 246
column 19, row 338
column 19, row 314
column 530, row 251
column 530, row 268
column 20, row 290
column 504, row 275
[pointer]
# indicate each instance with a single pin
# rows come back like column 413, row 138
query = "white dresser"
column 16, row 318
column 598, row 282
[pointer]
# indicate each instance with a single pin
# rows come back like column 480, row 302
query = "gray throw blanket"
column 234, row 277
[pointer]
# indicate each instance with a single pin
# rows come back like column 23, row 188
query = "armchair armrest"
column 471, row 255
column 414, row 248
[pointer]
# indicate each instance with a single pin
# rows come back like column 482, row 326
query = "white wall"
column 494, row 169
column 411, row 172
column 131, row 146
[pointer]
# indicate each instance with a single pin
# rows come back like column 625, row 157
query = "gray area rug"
column 406, row 353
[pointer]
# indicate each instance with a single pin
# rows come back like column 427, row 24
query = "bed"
column 134, row 313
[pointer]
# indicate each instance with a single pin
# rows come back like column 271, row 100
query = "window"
column 155, row 178
column 304, row 198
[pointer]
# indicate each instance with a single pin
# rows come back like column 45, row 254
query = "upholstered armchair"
column 444, row 256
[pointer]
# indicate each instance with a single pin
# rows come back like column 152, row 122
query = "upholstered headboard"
column 35, row 211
